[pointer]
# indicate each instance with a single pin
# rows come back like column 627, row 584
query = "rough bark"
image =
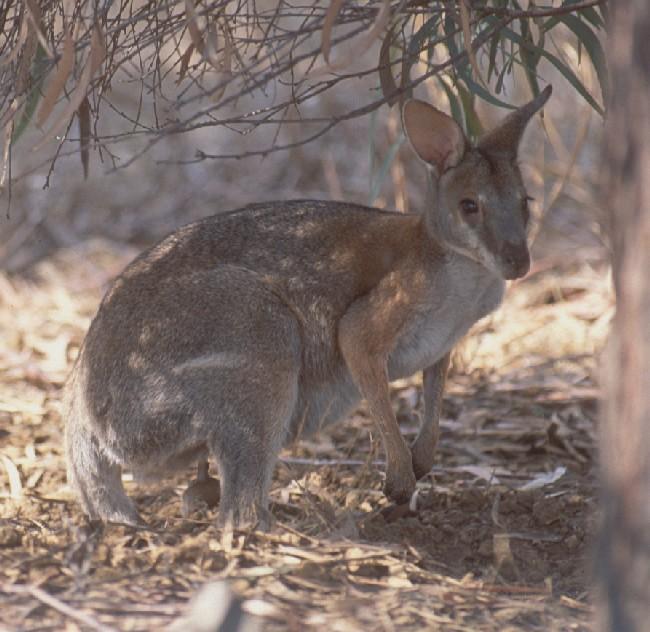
column 624, row 552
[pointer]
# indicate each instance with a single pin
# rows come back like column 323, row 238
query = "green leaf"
column 507, row 69
column 492, row 57
column 529, row 59
column 37, row 76
column 496, row 43
column 590, row 14
column 454, row 105
column 424, row 36
column 480, row 91
column 464, row 72
column 568, row 74
column 386, row 79
column 592, row 45
column 472, row 122
column 450, row 31
column 604, row 11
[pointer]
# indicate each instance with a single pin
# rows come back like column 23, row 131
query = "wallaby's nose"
column 515, row 258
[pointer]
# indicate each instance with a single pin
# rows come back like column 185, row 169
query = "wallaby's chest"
column 451, row 304
column 461, row 296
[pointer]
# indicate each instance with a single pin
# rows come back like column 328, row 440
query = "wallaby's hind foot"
column 246, row 472
column 96, row 479
column 245, row 483
column 249, row 516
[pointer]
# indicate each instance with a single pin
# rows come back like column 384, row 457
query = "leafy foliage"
column 199, row 61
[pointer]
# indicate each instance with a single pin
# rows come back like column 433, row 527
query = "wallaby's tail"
column 95, row 477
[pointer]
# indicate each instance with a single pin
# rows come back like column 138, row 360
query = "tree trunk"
column 624, row 551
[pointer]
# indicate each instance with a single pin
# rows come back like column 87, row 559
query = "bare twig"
column 57, row 604
column 198, row 60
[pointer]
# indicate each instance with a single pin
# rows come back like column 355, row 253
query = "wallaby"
column 241, row 331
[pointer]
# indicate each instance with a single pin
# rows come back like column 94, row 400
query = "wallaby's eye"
column 469, row 207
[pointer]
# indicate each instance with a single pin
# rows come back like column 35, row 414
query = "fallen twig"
column 57, row 604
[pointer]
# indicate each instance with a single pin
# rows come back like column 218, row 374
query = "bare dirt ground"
column 500, row 540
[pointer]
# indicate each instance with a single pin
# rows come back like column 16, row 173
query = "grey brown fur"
column 239, row 332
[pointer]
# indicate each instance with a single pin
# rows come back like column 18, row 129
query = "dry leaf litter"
column 499, row 538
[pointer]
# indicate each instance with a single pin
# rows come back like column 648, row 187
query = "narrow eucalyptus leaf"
column 464, row 72
column 568, row 74
column 589, row 13
column 473, row 124
column 37, row 76
column 492, row 56
column 386, row 79
column 589, row 39
column 454, row 105
column 483, row 93
column 529, row 58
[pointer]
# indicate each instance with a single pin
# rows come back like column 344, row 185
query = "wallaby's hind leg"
column 96, row 479
column 248, row 449
column 245, row 482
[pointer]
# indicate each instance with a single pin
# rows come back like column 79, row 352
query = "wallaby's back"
column 316, row 257
column 307, row 249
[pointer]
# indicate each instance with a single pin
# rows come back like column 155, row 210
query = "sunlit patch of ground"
column 502, row 533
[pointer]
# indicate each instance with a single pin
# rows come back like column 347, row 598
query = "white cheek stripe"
column 222, row 359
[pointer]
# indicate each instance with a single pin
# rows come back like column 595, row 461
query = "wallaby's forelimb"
column 424, row 446
column 366, row 362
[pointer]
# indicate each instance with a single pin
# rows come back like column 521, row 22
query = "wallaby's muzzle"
column 515, row 259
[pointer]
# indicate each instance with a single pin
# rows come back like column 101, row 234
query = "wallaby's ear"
column 436, row 138
column 504, row 139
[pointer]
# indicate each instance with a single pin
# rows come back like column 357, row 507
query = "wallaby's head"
column 480, row 206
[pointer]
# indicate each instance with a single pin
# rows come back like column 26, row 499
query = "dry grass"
column 500, row 539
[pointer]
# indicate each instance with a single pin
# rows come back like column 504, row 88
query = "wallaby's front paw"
column 399, row 488
column 423, row 460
